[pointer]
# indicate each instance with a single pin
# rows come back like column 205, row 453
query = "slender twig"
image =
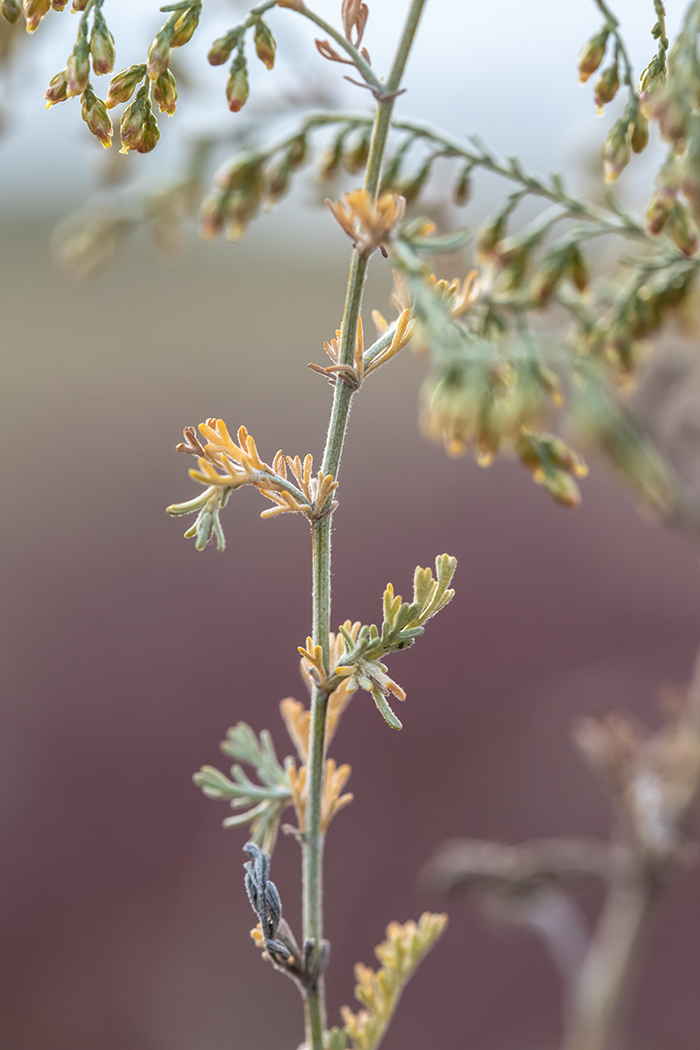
column 321, row 546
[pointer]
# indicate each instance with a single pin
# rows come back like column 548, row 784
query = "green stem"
column 620, row 50
column 358, row 61
column 321, row 544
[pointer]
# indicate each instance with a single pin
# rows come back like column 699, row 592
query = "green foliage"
column 379, row 991
column 403, row 622
column 268, row 799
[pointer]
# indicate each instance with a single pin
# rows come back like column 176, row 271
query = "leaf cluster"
column 380, row 990
column 266, row 799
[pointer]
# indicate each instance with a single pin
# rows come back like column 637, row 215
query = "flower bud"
column 160, row 51
column 150, row 134
column 640, row 132
column 165, row 93
column 123, row 85
column 659, row 209
column 239, row 208
column 562, row 488
column 10, row 10
column 185, row 25
column 578, row 268
column 490, row 237
column 617, row 151
column 34, row 11
column 212, row 215
column 57, row 91
column 462, row 191
column 265, row 45
column 237, row 85
column 101, row 46
column 671, row 110
column 547, row 276
column 296, row 153
column 95, row 115
column 78, row 65
column 606, row 86
column 355, row 157
column 331, row 160
column 236, row 173
column 678, row 227
column 651, row 82
column 79, row 5
column 592, row 54
column 276, row 180
column 221, row 49
column 410, row 189
column 139, row 129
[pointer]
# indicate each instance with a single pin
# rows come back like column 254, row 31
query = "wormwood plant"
column 541, row 338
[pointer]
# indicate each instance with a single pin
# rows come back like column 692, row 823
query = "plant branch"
column 613, row 26
column 321, row 542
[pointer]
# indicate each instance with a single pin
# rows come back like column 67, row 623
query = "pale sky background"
column 505, row 69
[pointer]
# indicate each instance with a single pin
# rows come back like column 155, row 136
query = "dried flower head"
column 369, row 223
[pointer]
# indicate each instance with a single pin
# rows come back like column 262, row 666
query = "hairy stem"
column 321, row 544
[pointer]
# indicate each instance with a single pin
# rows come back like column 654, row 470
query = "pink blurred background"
column 127, row 655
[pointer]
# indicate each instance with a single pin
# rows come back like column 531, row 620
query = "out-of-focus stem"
column 599, row 995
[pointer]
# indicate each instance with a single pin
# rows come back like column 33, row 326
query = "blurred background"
column 126, row 654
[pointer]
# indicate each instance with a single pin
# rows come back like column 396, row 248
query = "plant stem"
column 321, row 547
column 600, row 993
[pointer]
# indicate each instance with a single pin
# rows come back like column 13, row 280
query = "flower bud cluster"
column 552, row 464
column 639, row 312
column 176, row 32
column 485, row 400
column 561, row 262
column 94, row 45
column 138, row 128
column 237, row 86
column 247, row 183
column 628, row 135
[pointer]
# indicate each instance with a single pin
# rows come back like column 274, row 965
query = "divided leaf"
column 267, row 799
column 380, row 990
